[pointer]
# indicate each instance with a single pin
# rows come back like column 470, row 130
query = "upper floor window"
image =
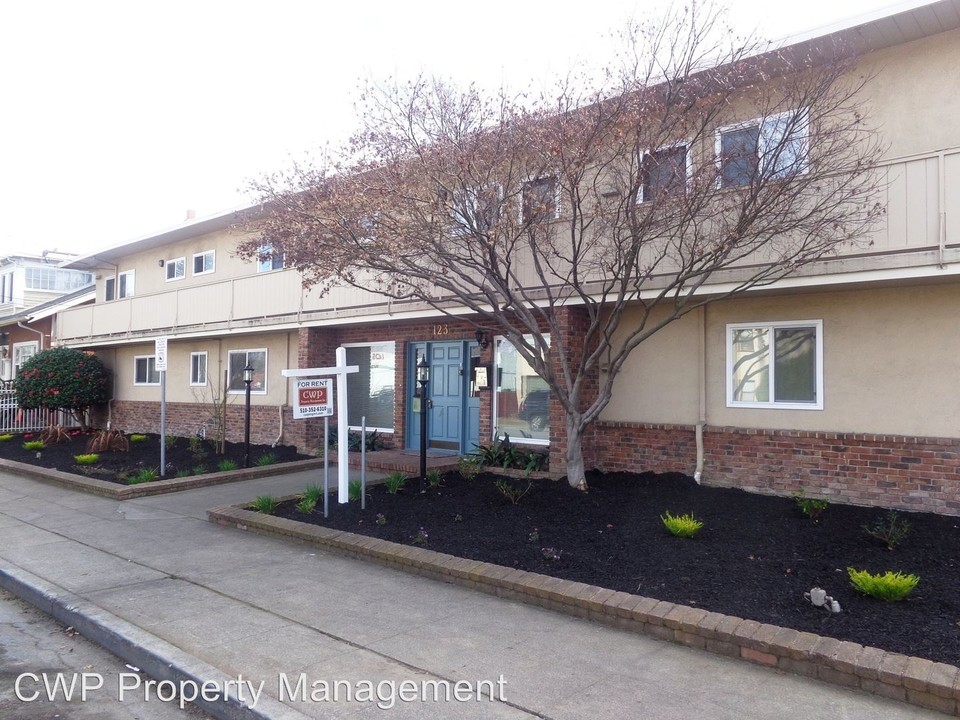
column 55, row 279
column 176, row 269
column 204, row 263
column 121, row 286
column 772, row 147
column 476, row 209
column 237, row 360
column 6, row 287
column 663, row 171
column 269, row 260
column 145, row 370
column 775, row 365
column 540, row 199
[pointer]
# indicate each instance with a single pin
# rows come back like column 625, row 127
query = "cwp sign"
column 313, row 398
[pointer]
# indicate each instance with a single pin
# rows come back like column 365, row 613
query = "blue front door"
column 447, row 373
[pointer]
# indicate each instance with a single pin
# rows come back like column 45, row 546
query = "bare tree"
column 646, row 193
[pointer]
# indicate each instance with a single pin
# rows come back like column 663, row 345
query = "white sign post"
column 160, row 365
column 340, row 370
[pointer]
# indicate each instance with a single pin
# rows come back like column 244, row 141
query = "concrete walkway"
column 190, row 601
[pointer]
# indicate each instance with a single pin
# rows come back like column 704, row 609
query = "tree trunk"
column 575, row 470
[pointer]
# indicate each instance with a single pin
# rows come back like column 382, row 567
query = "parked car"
column 535, row 409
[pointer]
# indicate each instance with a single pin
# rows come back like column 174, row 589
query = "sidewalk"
column 185, row 598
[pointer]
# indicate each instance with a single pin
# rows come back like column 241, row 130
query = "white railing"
column 14, row 419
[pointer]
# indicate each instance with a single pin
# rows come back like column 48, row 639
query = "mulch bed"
column 116, row 466
column 754, row 558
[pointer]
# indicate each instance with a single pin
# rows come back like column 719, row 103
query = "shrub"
column 503, row 453
column 143, row 475
column 551, row 554
column 374, row 441
column 511, row 492
column 381, row 519
column 313, row 492
column 469, row 466
column 199, row 470
column 5, row 437
column 138, row 438
column 434, row 478
column 394, row 482
column 183, row 473
column 354, row 490
column 88, row 459
column 685, row 526
column 226, row 465
column 109, row 441
column 34, row 445
column 265, row 504
column 890, row 529
column 421, row 538
column 62, row 379
column 811, row 507
column 265, row 459
column 306, row 505
column 54, row 435
column 889, row 586
column 169, row 441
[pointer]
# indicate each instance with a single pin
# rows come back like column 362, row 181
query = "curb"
column 917, row 681
column 155, row 657
column 116, row 491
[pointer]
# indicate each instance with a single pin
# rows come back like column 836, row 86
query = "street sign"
column 313, row 398
column 160, row 353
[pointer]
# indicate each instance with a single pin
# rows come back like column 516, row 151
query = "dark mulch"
column 116, row 466
column 754, row 558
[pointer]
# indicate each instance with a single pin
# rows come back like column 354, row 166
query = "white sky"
column 118, row 116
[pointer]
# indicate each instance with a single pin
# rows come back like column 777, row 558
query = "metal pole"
column 423, row 435
column 246, row 428
column 163, row 423
column 326, row 464
column 363, row 462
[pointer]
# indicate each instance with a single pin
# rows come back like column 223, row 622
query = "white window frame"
column 771, row 327
column 470, row 200
column 124, row 281
column 151, row 360
column 556, row 195
column 247, row 352
column 181, row 263
column 212, row 254
column 194, row 382
column 496, row 397
column 768, row 126
column 267, row 265
column 371, row 344
column 688, row 162
column 18, row 359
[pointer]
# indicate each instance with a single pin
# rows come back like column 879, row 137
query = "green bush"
column 265, row 459
column 434, row 478
column 5, row 437
column 88, row 459
column 34, row 445
column 394, row 482
column 888, row 586
column 503, row 453
column 685, row 526
column 226, row 465
column 143, row 475
column 62, row 379
column 313, row 492
column 138, row 438
column 469, row 466
column 266, row 504
column 354, row 490
column 890, row 529
column 306, row 505
column 811, row 507
column 512, row 492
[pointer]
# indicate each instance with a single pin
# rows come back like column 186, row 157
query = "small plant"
column 143, row 475
column 195, row 444
column 534, row 536
column 813, row 508
column 265, row 504
column 34, row 445
column 551, row 554
column 394, row 482
column 469, row 466
column 5, row 437
column 183, row 473
column 88, row 459
column 421, row 538
column 169, row 441
column 313, row 492
column 55, row 434
column 685, row 526
column 138, row 438
column 265, row 459
column 199, row 470
column 108, row 441
column 511, row 492
column 381, row 519
column 354, row 490
column 888, row 586
column 226, row 465
column 890, row 529
column 458, row 517
column 306, row 505
column 434, row 478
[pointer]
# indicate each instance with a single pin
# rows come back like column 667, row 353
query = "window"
column 56, row 279
column 775, row 365
column 541, row 199
column 21, row 353
column 146, row 372
column 663, row 171
column 176, row 269
column 121, row 286
column 522, row 397
column 476, row 209
column 370, row 392
column 775, row 147
column 237, row 360
column 204, row 263
column 198, row 369
column 6, row 287
column 269, row 260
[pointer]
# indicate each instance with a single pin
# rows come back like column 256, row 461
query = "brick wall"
column 908, row 473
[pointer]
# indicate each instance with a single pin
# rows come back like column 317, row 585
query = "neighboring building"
column 866, row 408
column 28, row 280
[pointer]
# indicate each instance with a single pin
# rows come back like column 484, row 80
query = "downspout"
column 702, row 388
column 38, row 332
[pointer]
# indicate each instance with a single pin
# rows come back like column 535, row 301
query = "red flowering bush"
column 62, row 379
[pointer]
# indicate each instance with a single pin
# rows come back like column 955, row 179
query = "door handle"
column 430, row 404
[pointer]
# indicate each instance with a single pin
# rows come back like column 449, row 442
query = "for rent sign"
column 313, row 397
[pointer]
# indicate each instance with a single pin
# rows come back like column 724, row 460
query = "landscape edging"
column 913, row 680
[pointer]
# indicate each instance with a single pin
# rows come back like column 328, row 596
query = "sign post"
column 160, row 365
column 318, row 401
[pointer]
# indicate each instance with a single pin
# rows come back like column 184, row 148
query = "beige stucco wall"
column 281, row 353
column 891, row 362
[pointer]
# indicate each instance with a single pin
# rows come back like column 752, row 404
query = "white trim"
column 688, row 161
column 14, row 367
column 391, row 429
column 193, row 262
column 247, row 351
column 497, row 339
column 182, row 261
column 771, row 326
column 763, row 124
column 148, row 358
column 205, row 366
column 130, row 277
